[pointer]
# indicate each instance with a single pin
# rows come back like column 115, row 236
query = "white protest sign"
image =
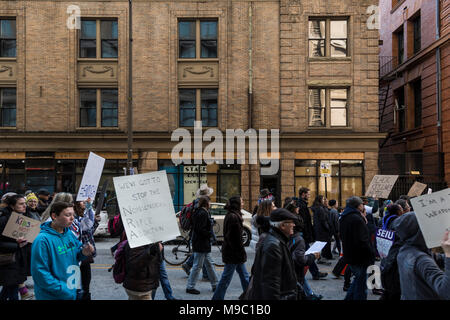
column 91, row 177
column 416, row 189
column 316, row 247
column 146, row 208
column 325, row 169
column 381, row 186
column 433, row 214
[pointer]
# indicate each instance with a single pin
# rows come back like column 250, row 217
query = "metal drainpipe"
column 439, row 86
column 250, row 90
column 130, row 93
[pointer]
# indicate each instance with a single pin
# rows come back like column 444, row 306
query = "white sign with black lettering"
column 146, row 208
column 433, row 214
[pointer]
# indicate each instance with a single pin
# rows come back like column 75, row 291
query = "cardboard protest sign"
column 20, row 226
column 146, row 208
column 417, row 189
column 433, row 214
column 91, row 177
column 381, row 186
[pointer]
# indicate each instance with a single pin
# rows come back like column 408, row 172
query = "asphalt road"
column 103, row 286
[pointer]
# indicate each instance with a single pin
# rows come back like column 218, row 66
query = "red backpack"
column 115, row 226
column 118, row 268
column 186, row 216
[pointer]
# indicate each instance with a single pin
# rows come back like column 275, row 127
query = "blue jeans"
column 227, row 275
column 200, row 259
column 307, row 289
column 10, row 293
column 165, row 284
column 313, row 269
column 358, row 287
column 190, row 262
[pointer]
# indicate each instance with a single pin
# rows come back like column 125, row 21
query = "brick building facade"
column 308, row 68
column 414, row 92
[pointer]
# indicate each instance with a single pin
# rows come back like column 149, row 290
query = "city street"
column 103, row 286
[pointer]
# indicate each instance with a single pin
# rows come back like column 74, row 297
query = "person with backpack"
column 186, row 224
column 201, row 246
column 233, row 250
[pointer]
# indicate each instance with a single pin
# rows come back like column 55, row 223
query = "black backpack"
column 186, row 214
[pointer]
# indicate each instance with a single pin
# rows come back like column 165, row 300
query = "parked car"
column 218, row 213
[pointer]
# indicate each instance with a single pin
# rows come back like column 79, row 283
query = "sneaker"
column 377, row 292
column 186, row 269
column 27, row 296
column 320, row 276
column 192, row 291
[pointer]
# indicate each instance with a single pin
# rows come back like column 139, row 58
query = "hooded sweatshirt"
column 420, row 276
column 55, row 261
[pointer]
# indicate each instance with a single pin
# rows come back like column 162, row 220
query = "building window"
column 328, row 107
column 8, row 107
column 103, row 32
column 400, row 42
column 7, row 38
column 328, row 37
column 197, row 39
column 98, row 108
column 417, row 34
column 346, row 179
column 417, row 88
column 198, row 105
column 185, row 180
column 401, row 109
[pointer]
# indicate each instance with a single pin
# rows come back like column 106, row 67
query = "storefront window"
column 12, row 176
column 346, row 179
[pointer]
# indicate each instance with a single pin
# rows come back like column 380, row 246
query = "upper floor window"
column 399, row 42
column 99, row 39
column 198, row 105
column 7, row 38
column 417, row 34
column 197, row 39
column 328, row 37
column 98, row 108
column 328, row 107
column 7, row 107
column 417, row 89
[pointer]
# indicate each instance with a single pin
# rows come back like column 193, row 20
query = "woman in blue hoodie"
column 55, row 256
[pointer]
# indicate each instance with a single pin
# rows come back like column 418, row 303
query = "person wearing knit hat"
column 32, row 202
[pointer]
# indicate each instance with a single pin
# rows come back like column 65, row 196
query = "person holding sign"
column 420, row 276
column 55, row 256
column 13, row 252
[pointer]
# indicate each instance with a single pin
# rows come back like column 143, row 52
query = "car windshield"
column 217, row 209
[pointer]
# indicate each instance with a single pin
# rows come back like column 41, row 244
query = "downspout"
column 250, row 89
column 439, row 88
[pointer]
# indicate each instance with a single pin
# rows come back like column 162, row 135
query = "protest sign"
column 381, row 186
column 316, row 247
column 146, row 208
column 91, row 177
column 433, row 214
column 325, row 169
column 385, row 240
column 19, row 226
column 416, row 189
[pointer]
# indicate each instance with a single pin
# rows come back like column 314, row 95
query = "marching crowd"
column 280, row 237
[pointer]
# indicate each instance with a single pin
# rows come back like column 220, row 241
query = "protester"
column 14, row 259
column 32, row 204
column 165, row 283
column 334, row 222
column 273, row 271
column 84, row 226
column 420, row 276
column 404, row 204
column 55, row 256
column 59, row 197
column 43, row 200
column 261, row 222
column 357, row 249
column 308, row 232
column 322, row 228
column 233, row 250
column 201, row 246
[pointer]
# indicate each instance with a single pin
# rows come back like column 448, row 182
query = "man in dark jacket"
column 142, row 271
column 358, row 251
column 273, row 271
column 308, row 234
column 201, row 246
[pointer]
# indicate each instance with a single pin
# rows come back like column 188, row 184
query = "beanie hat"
column 31, row 196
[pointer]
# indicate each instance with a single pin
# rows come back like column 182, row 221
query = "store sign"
column 146, row 208
column 381, row 186
column 191, row 181
column 433, row 214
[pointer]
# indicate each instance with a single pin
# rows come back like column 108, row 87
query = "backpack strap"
column 386, row 221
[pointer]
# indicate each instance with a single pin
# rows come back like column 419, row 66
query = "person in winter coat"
column 357, row 248
column 55, row 256
column 32, row 203
column 420, row 276
column 260, row 221
column 322, row 227
column 142, row 265
column 273, row 271
column 14, row 260
column 334, row 222
column 201, row 246
column 59, row 197
column 233, row 250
